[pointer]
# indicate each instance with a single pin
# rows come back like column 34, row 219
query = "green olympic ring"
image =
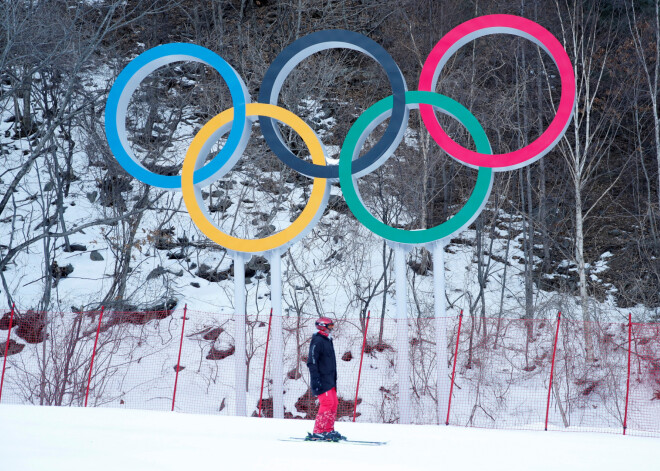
column 358, row 133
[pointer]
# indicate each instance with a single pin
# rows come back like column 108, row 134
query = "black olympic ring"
column 304, row 47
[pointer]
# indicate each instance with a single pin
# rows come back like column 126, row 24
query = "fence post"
column 178, row 362
column 552, row 370
column 625, row 415
column 364, row 342
column 453, row 371
column 91, row 364
column 263, row 375
column 4, row 362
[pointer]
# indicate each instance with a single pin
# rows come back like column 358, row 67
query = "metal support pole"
column 625, row 415
column 364, row 343
column 178, row 361
column 402, row 349
column 278, row 339
column 4, row 361
column 263, row 374
column 453, row 371
column 240, row 366
column 552, row 371
column 91, row 364
column 440, row 311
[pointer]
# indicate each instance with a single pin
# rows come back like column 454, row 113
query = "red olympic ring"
column 498, row 24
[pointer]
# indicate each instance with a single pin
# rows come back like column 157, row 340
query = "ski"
column 349, row 442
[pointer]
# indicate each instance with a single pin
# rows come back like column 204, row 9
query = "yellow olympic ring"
column 192, row 195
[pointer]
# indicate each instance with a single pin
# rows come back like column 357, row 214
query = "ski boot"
column 335, row 436
column 317, row 437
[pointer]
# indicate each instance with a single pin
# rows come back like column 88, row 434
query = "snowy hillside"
column 340, row 269
column 87, row 252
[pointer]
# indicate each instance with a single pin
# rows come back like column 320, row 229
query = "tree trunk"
column 579, row 258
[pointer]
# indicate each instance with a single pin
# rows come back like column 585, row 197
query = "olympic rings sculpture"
column 237, row 122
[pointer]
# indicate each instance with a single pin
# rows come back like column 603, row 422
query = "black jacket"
column 322, row 364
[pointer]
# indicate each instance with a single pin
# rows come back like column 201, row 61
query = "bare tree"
column 589, row 41
column 645, row 34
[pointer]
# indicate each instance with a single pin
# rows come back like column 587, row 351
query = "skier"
column 322, row 366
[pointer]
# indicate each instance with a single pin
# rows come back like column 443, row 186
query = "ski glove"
column 316, row 386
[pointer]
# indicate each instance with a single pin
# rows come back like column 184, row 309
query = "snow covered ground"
column 64, row 438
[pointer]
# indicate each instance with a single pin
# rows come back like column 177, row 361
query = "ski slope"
column 73, row 439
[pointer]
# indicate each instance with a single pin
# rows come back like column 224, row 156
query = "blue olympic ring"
column 128, row 81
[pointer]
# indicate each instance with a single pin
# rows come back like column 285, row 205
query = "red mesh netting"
column 502, row 368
